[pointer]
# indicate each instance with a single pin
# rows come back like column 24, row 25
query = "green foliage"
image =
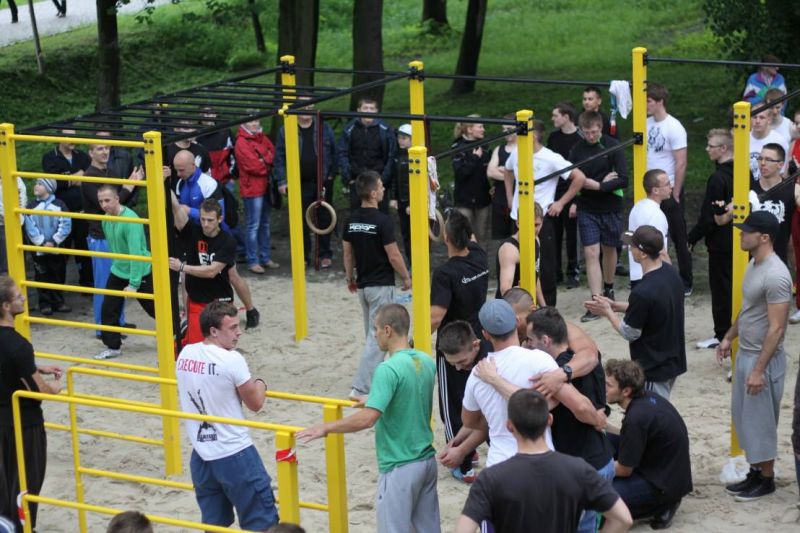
column 247, row 59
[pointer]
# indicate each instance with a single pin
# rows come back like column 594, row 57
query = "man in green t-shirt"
column 399, row 405
column 126, row 275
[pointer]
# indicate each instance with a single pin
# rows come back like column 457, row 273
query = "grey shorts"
column 755, row 416
column 407, row 497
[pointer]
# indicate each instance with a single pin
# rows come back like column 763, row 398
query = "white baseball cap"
column 405, row 129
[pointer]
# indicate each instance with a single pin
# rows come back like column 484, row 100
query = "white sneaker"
column 794, row 318
column 108, row 353
column 713, row 342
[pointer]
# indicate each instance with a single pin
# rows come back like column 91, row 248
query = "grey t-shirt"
column 768, row 282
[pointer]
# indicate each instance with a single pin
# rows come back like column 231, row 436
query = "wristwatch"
column 568, row 371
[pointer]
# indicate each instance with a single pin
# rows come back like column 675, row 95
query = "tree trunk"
column 435, row 11
column 298, row 26
column 470, row 46
column 108, row 92
column 261, row 46
column 36, row 42
column 367, row 47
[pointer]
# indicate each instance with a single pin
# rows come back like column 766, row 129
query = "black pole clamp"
column 288, row 68
column 415, row 73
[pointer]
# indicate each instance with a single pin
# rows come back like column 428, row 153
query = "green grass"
column 567, row 39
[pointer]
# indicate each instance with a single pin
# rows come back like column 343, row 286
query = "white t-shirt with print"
column 755, row 150
column 516, row 365
column 207, row 380
column 645, row 212
column 663, row 138
column 784, row 129
column 545, row 162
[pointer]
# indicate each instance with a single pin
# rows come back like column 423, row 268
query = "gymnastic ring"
column 310, row 222
column 440, row 221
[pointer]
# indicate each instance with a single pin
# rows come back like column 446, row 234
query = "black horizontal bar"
column 471, row 146
column 357, row 88
column 216, row 105
column 203, row 110
column 331, row 70
column 273, row 86
column 720, row 62
column 769, row 193
column 583, row 83
column 58, row 128
column 573, row 166
column 777, row 101
column 403, row 116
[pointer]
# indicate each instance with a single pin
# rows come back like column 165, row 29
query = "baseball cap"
column 405, row 129
column 760, row 222
column 497, row 317
column 646, row 238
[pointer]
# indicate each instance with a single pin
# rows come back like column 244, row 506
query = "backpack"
column 231, row 207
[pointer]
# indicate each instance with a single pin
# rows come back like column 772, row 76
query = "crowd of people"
column 512, row 371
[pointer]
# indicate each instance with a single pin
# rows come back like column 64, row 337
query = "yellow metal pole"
column 741, row 208
column 337, row 473
column 418, row 200
column 525, row 213
column 165, row 340
column 16, row 257
column 76, row 451
column 420, row 255
column 295, row 202
column 639, row 95
column 288, row 489
column 21, row 470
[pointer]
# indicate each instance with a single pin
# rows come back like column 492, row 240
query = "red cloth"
column 254, row 156
column 193, row 332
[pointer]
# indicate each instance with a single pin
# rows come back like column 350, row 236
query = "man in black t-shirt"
column 537, row 489
column 766, row 195
column 654, row 315
column 370, row 251
column 653, row 468
column 210, row 254
column 547, row 331
column 18, row 371
column 458, row 290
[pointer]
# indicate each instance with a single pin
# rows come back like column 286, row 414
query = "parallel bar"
column 300, row 88
column 86, row 290
column 82, row 179
column 147, row 480
column 404, row 116
column 77, row 140
column 721, row 62
column 113, row 399
column 87, row 361
column 106, row 434
column 84, row 253
column 87, row 325
column 471, row 146
column 309, row 399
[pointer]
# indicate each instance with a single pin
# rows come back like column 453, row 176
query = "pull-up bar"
column 479, row 143
column 635, row 140
column 777, row 101
column 401, row 116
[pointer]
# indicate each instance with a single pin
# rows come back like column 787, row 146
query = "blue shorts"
column 602, row 228
column 239, row 481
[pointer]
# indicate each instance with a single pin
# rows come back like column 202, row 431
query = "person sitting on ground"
column 654, row 313
column 653, row 467
column 130, row 522
column 538, row 489
column 125, row 275
column 50, row 232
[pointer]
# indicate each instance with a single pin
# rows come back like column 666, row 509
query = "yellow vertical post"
column 21, row 470
column 741, row 208
column 418, row 199
column 165, row 340
column 16, row 257
column 288, row 489
column 295, row 201
column 639, row 96
column 420, row 256
column 525, row 213
column 76, row 452
column 337, row 473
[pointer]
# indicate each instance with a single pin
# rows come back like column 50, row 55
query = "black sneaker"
column 46, row 311
column 252, row 318
column 765, row 486
column 753, row 478
column 663, row 519
column 589, row 316
column 621, row 270
column 608, row 293
column 572, row 283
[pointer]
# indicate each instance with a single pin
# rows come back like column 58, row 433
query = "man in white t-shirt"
column 760, row 134
column 515, row 366
column 666, row 150
column 778, row 123
column 213, row 379
column 647, row 212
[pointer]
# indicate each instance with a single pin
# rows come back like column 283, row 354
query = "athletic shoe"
column 621, row 270
column 325, row 263
column 252, row 318
column 712, row 342
column 467, row 478
column 608, row 293
column 687, row 291
column 765, row 486
column 46, row 311
column 271, row 264
column 476, row 459
column 256, row 269
column 572, row 283
column 589, row 316
column 663, row 519
column 753, row 478
column 108, row 353
column 794, row 318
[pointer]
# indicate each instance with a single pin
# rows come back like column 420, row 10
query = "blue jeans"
column 239, row 481
column 588, row 523
column 257, row 245
column 642, row 498
column 101, row 268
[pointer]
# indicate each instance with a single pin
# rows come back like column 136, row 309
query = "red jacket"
column 254, row 156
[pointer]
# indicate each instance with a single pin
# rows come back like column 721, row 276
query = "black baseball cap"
column 646, row 238
column 760, row 222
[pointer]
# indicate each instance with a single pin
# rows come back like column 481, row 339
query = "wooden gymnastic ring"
column 310, row 221
column 439, row 220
